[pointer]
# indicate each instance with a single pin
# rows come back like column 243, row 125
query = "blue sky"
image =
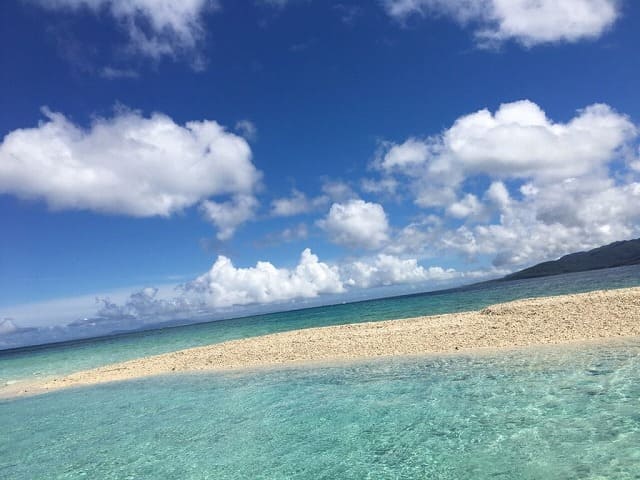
column 408, row 144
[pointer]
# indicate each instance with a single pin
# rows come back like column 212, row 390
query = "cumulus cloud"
column 155, row 28
column 569, row 216
column 225, row 285
column 386, row 270
column 228, row 216
column 356, row 224
column 297, row 204
column 468, row 206
column 544, row 224
column 473, row 208
column 289, row 206
column 7, row 326
column 517, row 141
column 411, row 152
column 527, row 22
column 128, row 164
column 498, row 194
column 144, row 303
column 554, row 187
column 222, row 291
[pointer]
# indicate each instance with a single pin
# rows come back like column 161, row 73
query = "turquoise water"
column 545, row 413
column 62, row 359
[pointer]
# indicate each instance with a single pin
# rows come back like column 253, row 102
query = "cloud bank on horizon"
column 225, row 287
column 499, row 188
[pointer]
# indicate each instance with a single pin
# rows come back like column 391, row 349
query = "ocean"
column 546, row 412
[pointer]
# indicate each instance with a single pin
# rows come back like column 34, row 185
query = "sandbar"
column 597, row 315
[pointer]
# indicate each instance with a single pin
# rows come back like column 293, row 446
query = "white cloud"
column 420, row 238
column 113, row 73
column 7, row 326
column 386, row 270
column 289, row 206
column 472, row 208
column 289, row 234
column 498, row 195
column 411, row 152
column 385, row 186
column 222, row 291
column 549, row 21
column 337, row 190
column 633, row 160
column 127, row 164
column 228, row 216
column 555, row 187
column 247, row 129
column 297, row 204
column 145, row 303
column 527, row 22
column 155, row 28
column 61, row 311
column 225, row 285
column 297, row 232
column 517, row 142
column 466, row 207
column 550, row 221
column 356, row 224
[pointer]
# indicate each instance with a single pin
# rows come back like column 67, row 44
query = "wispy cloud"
column 114, row 73
column 153, row 28
column 247, row 129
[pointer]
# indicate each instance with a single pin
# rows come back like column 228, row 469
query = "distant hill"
column 616, row 254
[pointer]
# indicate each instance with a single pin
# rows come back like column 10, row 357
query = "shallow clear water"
column 61, row 359
column 546, row 413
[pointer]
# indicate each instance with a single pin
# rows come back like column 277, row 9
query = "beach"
column 593, row 316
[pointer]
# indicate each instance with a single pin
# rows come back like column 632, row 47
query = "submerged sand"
column 541, row 321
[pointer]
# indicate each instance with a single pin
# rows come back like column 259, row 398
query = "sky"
column 199, row 159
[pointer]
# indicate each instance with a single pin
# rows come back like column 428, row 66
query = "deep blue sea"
column 542, row 413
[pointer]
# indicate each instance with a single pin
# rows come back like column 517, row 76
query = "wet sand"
column 590, row 316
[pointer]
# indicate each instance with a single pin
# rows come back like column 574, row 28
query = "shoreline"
column 566, row 319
